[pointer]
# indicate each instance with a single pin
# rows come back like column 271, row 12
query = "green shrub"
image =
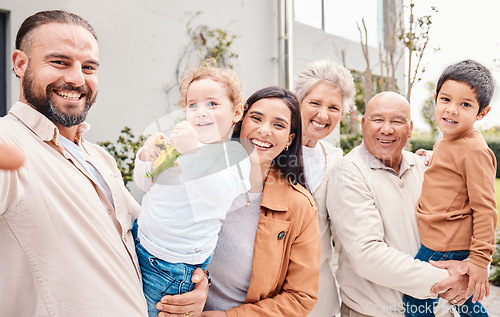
column 421, row 143
column 348, row 142
column 494, row 144
column 124, row 150
column 427, row 143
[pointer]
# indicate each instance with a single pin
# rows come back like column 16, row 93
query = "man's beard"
column 45, row 105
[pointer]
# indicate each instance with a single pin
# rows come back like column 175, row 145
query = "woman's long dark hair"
column 289, row 162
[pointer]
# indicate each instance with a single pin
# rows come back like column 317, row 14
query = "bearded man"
column 65, row 215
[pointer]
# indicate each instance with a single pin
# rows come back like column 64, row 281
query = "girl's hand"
column 152, row 147
column 426, row 154
column 184, row 137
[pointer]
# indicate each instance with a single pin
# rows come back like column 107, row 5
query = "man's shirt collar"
column 407, row 161
column 41, row 125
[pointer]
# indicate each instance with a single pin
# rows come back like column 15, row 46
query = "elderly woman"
column 325, row 91
column 266, row 262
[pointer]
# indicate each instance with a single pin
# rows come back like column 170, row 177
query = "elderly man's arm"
column 359, row 229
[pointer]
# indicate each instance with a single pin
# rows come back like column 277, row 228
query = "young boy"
column 456, row 212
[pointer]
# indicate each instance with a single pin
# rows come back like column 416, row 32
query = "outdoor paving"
column 492, row 302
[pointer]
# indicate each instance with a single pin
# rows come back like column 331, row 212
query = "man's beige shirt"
column 64, row 249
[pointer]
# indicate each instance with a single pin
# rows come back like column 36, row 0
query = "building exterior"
column 142, row 42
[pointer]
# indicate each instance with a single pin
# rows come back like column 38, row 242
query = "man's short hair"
column 24, row 38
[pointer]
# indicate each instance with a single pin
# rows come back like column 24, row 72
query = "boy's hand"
column 184, row 137
column 152, row 147
column 426, row 154
column 478, row 282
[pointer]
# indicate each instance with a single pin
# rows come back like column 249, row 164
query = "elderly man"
column 65, row 215
column 371, row 200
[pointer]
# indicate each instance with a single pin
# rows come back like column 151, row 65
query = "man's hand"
column 192, row 302
column 453, row 288
column 426, row 154
column 152, row 147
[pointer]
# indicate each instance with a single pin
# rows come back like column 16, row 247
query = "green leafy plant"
column 205, row 43
column 425, row 142
column 213, row 43
column 124, row 150
column 348, row 142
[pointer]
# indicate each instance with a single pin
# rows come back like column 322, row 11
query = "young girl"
column 183, row 206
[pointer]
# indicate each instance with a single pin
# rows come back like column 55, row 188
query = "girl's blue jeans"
column 160, row 278
column 425, row 307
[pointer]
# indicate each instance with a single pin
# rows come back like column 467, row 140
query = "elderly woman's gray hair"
column 331, row 73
